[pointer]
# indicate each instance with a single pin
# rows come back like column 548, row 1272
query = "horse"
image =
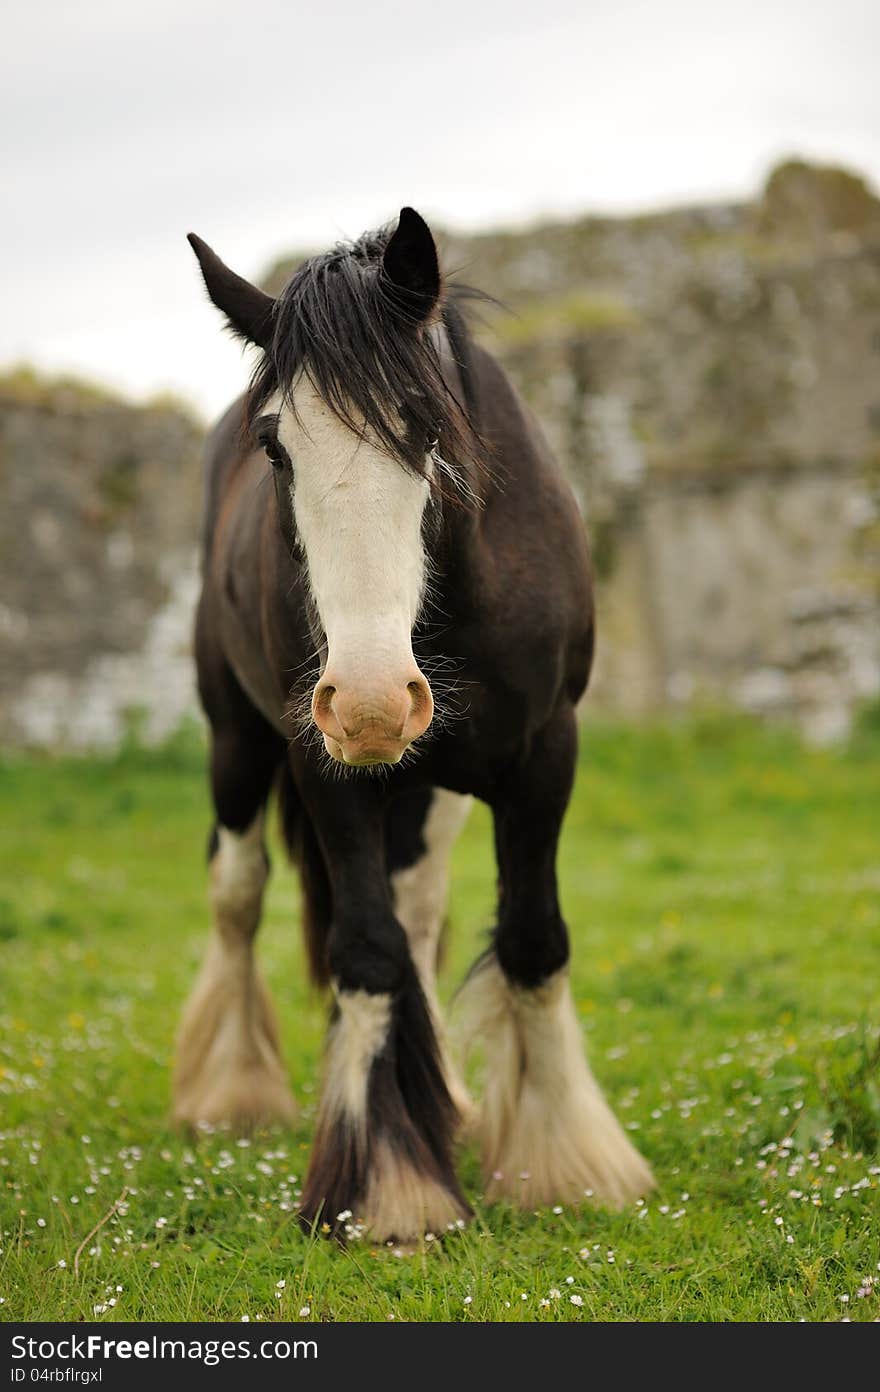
column 418, row 543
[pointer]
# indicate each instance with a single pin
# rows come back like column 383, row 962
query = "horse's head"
column 348, row 402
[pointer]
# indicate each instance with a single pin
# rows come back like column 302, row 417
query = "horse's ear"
column 410, row 262
column 249, row 312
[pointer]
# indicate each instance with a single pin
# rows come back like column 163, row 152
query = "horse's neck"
column 475, row 482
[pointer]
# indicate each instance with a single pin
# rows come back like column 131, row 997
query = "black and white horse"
column 418, row 540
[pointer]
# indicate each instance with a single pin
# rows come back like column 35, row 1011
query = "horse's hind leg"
column 422, row 827
column 229, row 1069
column 546, row 1131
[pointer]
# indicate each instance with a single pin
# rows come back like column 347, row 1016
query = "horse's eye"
column 266, row 435
column 275, row 452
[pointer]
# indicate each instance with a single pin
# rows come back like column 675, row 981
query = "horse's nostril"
column 421, row 707
column 418, row 693
column 322, row 703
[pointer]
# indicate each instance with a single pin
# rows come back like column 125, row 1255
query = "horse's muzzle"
column 371, row 724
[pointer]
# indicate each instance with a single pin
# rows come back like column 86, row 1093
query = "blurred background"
column 676, row 203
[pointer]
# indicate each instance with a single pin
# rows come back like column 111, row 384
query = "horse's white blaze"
column 357, row 1036
column 359, row 518
column 546, row 1131
column 229, row 1066
column 420, row 895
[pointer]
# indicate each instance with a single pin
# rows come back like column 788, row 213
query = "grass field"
column 722, row 884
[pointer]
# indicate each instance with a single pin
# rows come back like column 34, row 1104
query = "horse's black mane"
column 342, row 321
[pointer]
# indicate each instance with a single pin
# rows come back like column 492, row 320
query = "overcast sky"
column 268, row 126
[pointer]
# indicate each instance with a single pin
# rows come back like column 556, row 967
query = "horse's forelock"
column 365, row 349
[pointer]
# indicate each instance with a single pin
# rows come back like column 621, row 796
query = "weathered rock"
column 711, row 379
column 709, row 376
column 98, row 541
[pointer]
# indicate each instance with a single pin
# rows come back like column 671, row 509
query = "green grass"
column 721, row 883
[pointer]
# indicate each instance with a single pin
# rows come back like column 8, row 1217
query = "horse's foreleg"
column 547, row 1134
column 228, row 1066
column 421, row 836
column 382, row 1155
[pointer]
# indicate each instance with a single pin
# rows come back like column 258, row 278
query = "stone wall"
column 711, row 379
column 755, row 592
column 99, row 575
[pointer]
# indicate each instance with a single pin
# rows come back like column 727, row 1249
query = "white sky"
column 266, row 126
